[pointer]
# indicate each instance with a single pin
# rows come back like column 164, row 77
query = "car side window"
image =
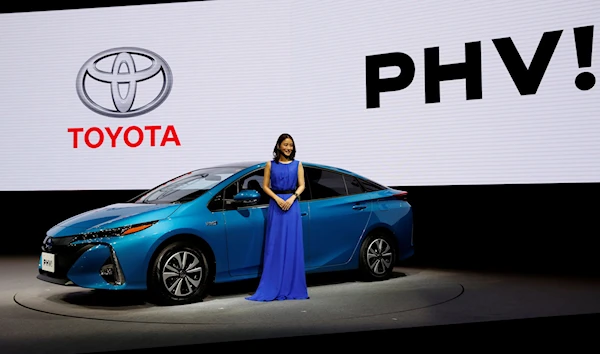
column 353, row 185
column 371, row 186
column 231, row 191
column 250, row 181
column 255, row 181
column 325, row 184
column 216, row 204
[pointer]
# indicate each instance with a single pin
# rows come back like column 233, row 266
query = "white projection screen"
column 407, row 93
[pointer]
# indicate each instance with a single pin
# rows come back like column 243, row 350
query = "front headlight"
column 115, row 232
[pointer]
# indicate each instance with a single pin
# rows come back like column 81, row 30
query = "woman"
column 283, row 276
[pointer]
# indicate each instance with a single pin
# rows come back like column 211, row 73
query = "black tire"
column 377, row 257
column 180, row 274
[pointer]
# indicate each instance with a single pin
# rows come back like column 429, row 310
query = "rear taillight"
column 401, row 196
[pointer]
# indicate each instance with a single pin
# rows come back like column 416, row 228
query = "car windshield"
column 187, row 187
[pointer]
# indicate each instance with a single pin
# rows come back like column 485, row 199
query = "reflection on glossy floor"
column 45, row 318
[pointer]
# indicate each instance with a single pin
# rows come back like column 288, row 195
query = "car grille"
column 65, row 255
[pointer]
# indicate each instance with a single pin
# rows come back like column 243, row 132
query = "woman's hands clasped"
column 285, row 205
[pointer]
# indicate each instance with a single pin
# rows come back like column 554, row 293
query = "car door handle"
column 303, row 213
column 359, row 207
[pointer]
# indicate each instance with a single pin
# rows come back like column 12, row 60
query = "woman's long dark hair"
column 277, row 153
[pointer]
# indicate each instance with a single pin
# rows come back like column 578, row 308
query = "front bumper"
column 43, row 275
column 91, row 264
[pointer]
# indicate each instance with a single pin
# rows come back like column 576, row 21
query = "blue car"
column 207, row 226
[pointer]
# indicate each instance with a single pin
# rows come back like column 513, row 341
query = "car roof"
column 258, row 164
column 241, row 164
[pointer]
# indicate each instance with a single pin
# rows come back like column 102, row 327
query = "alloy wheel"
column 379, row 256
column 182, row 273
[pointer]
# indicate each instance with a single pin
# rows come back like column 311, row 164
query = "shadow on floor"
column 119, row 300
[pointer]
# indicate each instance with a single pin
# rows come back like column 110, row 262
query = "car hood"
column 110, row 216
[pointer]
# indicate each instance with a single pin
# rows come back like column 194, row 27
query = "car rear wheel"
column 180, row 275
column 377, row 257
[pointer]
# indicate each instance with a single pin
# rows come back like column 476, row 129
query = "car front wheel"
column 377, row 257
column 180, row 275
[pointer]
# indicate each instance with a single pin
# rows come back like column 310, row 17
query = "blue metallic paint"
column 334, row 230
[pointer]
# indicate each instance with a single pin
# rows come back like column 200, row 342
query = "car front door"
column 245, row 226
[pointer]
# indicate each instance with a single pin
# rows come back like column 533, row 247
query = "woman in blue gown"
column 283, row 276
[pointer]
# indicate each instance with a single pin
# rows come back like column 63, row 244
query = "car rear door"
column 339, row 213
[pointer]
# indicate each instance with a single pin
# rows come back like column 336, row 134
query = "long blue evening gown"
column 283, row 276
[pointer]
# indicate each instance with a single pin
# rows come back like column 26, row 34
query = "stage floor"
column 39, row 317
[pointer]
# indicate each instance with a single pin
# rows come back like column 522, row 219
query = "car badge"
column 48, row 243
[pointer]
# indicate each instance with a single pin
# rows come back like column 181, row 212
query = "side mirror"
column 247, row 197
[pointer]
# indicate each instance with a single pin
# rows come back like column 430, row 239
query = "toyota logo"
column 123, row 71
column 48, row 243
